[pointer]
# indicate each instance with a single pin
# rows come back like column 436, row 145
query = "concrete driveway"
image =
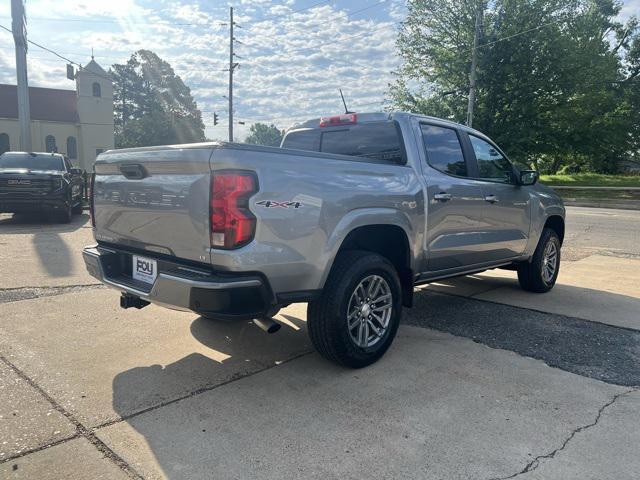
column 483, row 381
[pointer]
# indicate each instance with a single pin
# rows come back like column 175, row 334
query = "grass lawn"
column 591, row 180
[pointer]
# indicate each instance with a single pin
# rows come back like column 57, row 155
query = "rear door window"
column 444, row 152
column 381, row 141
column 303, row 140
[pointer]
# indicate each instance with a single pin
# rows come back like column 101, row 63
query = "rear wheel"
column 541, row 273
column 356, row 318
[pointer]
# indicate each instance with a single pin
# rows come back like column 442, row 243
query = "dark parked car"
column 40, row 182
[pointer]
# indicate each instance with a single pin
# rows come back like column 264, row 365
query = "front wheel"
column 77, row 208
column 356, row 318
column 66, row 213
column 541, row 273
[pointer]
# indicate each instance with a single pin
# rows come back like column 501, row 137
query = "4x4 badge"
column 274, row 204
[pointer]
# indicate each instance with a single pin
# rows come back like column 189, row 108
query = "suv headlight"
column 57, row 183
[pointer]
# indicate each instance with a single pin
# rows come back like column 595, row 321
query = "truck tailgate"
column 155, row 199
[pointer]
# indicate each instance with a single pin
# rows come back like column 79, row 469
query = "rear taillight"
column 232, row 223
column 92, row 213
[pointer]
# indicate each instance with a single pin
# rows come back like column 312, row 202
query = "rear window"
column 31, row 162
column 372, row 140
column 381, row 141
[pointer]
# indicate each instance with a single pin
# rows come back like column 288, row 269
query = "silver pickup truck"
column 348, row 215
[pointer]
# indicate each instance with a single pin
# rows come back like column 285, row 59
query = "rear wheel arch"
column 391, row 242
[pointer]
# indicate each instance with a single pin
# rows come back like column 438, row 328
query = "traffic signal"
column 215, row 118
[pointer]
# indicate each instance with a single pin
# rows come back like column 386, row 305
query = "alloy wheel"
column 549, row 262
column 369, row 311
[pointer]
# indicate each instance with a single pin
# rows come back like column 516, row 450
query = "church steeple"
column 95, row 109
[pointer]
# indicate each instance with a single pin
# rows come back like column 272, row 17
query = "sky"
column 293, row 55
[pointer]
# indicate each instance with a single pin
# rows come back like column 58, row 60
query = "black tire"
column 530, row 274
column 77, row 208
column 327, row 316
column 66, row 213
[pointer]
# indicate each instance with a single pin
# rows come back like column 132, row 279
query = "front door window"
column 492, row 165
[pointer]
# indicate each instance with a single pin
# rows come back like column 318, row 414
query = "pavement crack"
column 90, row 433
column 81, row 430
column 8, row 295
column 207, row 388
column 535, row 463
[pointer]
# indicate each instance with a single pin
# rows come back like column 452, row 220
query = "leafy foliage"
column 263, row 134
column 152, row 104
column 564, row 92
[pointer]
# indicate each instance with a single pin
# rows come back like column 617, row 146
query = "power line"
column 117, row 22
column 509, row 37
column 163, row 23
column 288, row 14
column 333, row 42
column 349, row 15
column 53, row 52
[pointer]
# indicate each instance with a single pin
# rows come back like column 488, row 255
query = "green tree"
column 556, row 79
column 152, row 105
column 263, row 134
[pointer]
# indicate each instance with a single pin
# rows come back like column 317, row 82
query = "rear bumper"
column 178, row 287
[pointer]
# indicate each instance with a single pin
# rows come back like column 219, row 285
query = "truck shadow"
column 589, row 304
column 37, row 222
column 232, row 350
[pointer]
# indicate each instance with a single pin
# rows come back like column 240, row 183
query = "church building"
column 78, row 124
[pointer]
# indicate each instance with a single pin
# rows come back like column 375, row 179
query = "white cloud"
column 629, row 9
column 291, row 63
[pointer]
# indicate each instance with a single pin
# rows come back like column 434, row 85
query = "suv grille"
column 25, row 185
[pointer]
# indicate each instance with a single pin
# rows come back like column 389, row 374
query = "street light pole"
column 19, row 30
column 474, row 61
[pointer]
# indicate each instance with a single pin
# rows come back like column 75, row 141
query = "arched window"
column 4, row 143
column 50, row 144
column 97, row 92
column 72, row 148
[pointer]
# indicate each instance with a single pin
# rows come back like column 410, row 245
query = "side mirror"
column 75, row 171
column 528, row 177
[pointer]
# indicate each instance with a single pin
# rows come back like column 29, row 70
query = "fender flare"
column 363, row 217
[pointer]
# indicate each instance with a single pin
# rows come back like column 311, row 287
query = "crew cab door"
column 455, row 224
column 507, row 206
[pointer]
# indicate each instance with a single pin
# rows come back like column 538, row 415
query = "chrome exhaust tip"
column 267, row 324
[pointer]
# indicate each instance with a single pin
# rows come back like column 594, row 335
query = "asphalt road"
column 602, row 231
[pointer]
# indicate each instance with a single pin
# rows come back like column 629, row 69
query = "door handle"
column 442, row 197
column 491, row 198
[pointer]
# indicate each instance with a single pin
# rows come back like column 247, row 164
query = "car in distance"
column 40, row 182
column 348, row 215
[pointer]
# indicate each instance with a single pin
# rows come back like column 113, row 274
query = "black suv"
column 40, row 182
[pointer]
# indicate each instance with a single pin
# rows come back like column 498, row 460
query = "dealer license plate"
column 144, row 269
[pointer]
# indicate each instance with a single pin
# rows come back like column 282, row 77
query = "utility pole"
column 19, row 30
column 231, row 67
column 474, row 61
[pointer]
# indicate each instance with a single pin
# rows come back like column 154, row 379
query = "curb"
column 620, row 206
